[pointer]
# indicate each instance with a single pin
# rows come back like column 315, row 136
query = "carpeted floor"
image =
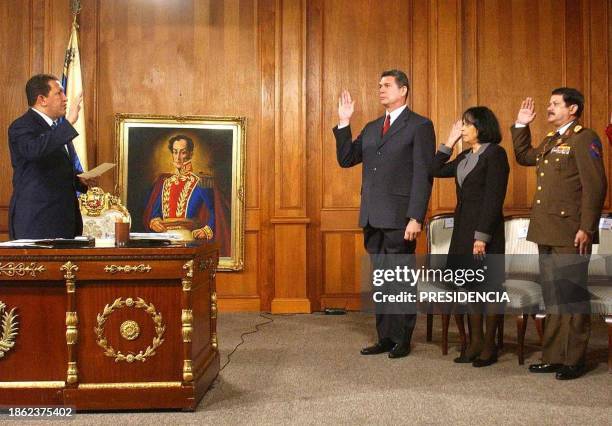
column 306, row 369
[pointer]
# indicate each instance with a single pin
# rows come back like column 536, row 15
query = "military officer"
column 571, row 188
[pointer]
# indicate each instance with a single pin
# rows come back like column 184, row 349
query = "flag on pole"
column 73, row 85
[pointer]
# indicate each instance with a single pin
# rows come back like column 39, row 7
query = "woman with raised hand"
column 481, row 177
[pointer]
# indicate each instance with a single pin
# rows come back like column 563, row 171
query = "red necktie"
column 387, row 124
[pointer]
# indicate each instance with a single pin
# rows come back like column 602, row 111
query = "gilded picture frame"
column 185, row 173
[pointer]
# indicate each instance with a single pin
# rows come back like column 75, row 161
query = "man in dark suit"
column 44, row 203
column 396, row 151
column 571, row 189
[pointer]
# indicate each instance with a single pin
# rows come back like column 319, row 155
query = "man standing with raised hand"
column 44, row 203
column 396, row 151
column 571, row 188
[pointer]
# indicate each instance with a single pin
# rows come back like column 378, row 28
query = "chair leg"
column 429, row 327
column 469, row 331
column 539, row 323
column 500, row 332
column 608, row 319
column 445, row 322
column 461, row 328
column 521, row 327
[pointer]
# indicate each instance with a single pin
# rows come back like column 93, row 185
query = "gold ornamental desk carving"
column 112, row 338
column 12, row 269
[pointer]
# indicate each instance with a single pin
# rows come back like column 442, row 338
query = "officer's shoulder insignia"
column 595, row 148
column 577, row 129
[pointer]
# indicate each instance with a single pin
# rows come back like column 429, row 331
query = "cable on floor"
column 246, row 333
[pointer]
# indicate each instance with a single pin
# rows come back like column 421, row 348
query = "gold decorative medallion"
column 129, row 330
column 139, row 303
column 12, row 269
column 10, row 329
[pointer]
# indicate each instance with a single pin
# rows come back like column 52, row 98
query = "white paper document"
column 97, row 171
column 155, row 236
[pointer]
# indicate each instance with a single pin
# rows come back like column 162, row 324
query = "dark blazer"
column 480, row 200
column 395, row 183
column 43, row 203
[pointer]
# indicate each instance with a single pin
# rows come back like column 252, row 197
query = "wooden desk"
column 107, row 328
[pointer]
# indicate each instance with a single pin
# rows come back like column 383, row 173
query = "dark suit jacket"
column 480, row 200
column 395, row 176
column 44, row 203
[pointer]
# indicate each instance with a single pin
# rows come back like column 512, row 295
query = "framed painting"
column 185, row 175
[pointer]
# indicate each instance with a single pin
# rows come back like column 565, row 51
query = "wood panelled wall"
column 282, row 64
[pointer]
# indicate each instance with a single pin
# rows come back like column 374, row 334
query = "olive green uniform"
column 570, row 191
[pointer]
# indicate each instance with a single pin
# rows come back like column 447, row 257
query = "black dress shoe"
column 378, row 348
column 570, row 372
column 399, row 351
column 464, row 359
column 544, row 368
column 485, row 362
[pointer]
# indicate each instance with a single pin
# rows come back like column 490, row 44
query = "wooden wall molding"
column 282, row 64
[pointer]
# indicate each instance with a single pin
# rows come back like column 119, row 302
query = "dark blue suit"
column 395, row 187
column 44, row 203
column 395, row 176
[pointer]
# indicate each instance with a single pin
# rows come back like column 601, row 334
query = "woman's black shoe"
column 485, row 362
column 464, row 359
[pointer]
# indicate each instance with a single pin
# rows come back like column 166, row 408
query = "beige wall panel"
column 15, row 36
column 360, row 40
column 597, row 85
column 290, row 145
column 290, row 258
column 245, row 283
column 180, row 58
column 532, row 44
column 444, row 47
column 343, row 257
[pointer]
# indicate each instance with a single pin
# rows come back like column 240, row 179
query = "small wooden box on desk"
column 108, row 329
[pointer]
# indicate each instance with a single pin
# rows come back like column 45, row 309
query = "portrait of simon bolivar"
column 183, row 179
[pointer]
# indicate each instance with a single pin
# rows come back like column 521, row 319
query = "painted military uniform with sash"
column 182, row 202
column 570, row 191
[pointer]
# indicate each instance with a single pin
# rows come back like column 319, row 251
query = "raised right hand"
column 527, row 112
column 346, row 107
column 455, row 134
column 73, row 113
